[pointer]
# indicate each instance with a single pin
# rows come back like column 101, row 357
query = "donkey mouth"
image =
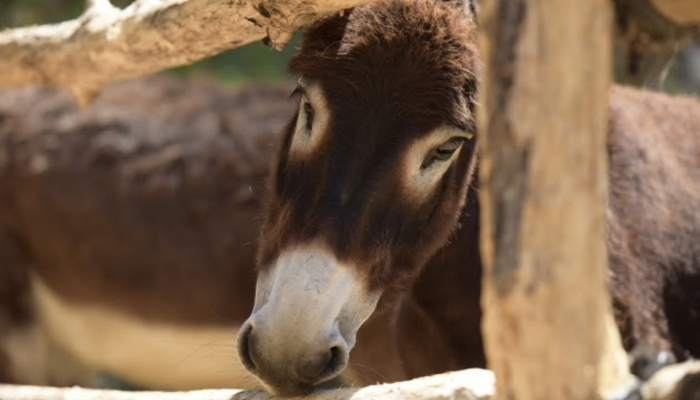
column 317, row 367
column 308, row 309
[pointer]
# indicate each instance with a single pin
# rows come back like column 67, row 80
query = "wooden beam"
column 471, row 384
column 670, row 383
column 548, row 327
column 107, row 44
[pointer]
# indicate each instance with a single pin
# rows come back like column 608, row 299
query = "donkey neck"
column 441, row 312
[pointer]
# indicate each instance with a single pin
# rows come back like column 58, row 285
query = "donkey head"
column 369, row 180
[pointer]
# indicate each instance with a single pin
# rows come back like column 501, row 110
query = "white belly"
column 153, row 355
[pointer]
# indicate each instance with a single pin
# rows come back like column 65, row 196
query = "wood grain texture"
column 107, row 44
column 549, row 332
column 472, row 384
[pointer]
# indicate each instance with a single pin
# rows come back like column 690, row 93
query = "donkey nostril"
column 244, row 339
column 337, row 360
column 324, row 366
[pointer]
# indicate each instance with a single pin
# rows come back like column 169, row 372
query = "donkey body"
column 373, row 194
column 127, row 229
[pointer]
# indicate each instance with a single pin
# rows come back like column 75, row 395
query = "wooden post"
column 548, row 327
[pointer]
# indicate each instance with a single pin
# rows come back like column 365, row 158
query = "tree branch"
column 107, row 44
column 471, row 384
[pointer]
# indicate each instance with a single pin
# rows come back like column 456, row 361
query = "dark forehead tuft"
column 407, row 47
column 428, row 27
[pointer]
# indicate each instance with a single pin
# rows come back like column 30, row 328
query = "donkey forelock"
column 370, row 179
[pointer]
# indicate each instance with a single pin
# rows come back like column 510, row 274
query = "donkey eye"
column 446, row 149
column 311, row 118
column 443, row 152
column 309, row 114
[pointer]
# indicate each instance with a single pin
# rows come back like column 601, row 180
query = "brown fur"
column 437, row 324
column 394, row 70
column 153, row 192
column 383, row 108
column 653, row 219
column 15, row 304
column 6, row 375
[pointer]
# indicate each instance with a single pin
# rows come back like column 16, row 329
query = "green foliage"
column 253, row 62
column 14, row 13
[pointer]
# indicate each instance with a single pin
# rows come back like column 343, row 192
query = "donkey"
column 372, row 196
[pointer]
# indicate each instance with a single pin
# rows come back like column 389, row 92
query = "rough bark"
column 107, row 44
column 543, row 171
column 474, row 384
